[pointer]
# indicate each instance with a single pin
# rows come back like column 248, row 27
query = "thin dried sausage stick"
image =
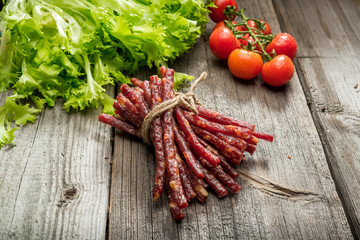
column 264, row 136
column 197, row 184
column 167, row 73
column 135, row 98
column 178, row 213
column 250, row 149
column 145, row 86
column 171, row 163
column 195, row 173
column 125, row 108
column 168, row 89
column 225, row 120
column 188, row 189
column 156, row 135
column 233, row 155
column 172, row 166
column 243, row 145
column 223, row 163
column 186, row 151
column 163, row 71
column 192, row 139
column 228, row 168
column 119, row 124
column 215, row 116
column 147, row 91
column 222, row 176
column 142, row 96
column 155, row 88
column 156, row 138
column 214, row 183
column 253, row 140
column 139, row 90
column 137, row 82
column 232, row 130
column 234, row 141
column 120, row 117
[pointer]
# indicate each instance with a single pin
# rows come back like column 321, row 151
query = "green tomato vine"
column 260, row 39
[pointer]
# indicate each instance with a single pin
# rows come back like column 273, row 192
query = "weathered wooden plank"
column 330, row 87
column 283, row 113
column 54, row 183
column 335, row 103
column 323, row 28
column 287, row 190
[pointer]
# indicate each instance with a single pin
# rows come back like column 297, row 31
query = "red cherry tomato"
column 278, row 71
column 245, row 64
column 222, row 42
column 283, row 43
column 237, row 28
column 246, row 39
column 252, row 24
column 217, row 14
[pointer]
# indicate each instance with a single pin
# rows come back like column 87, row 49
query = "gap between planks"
column 317, row 121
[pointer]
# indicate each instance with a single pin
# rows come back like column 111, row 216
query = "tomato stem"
column 256, row 33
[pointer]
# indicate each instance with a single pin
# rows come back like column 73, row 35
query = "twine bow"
column 187, row 100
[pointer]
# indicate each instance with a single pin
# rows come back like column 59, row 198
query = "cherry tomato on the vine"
column 246, row 39
column 245, row 64
column 267, row 30
column 222, row 42
column 278, row 71
column 217, row 14
column 237, row 28
column 283, row 43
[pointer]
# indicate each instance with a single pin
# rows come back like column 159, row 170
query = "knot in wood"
column 70, row 193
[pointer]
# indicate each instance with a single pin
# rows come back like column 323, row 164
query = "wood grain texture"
column 336, row 107
column 54, row 183
column 322, row 28
column 330, row 84
column 288, row 191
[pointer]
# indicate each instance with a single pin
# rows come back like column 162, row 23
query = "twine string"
column 187, row 100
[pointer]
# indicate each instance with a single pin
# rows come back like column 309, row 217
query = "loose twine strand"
column 187, row 100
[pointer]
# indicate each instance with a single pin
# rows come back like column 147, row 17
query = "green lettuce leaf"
column 72, row 49
column 13, row 109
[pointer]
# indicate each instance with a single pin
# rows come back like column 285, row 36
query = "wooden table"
column 71, row 177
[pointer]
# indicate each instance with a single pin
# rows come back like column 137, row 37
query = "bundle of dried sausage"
column 194, row 152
